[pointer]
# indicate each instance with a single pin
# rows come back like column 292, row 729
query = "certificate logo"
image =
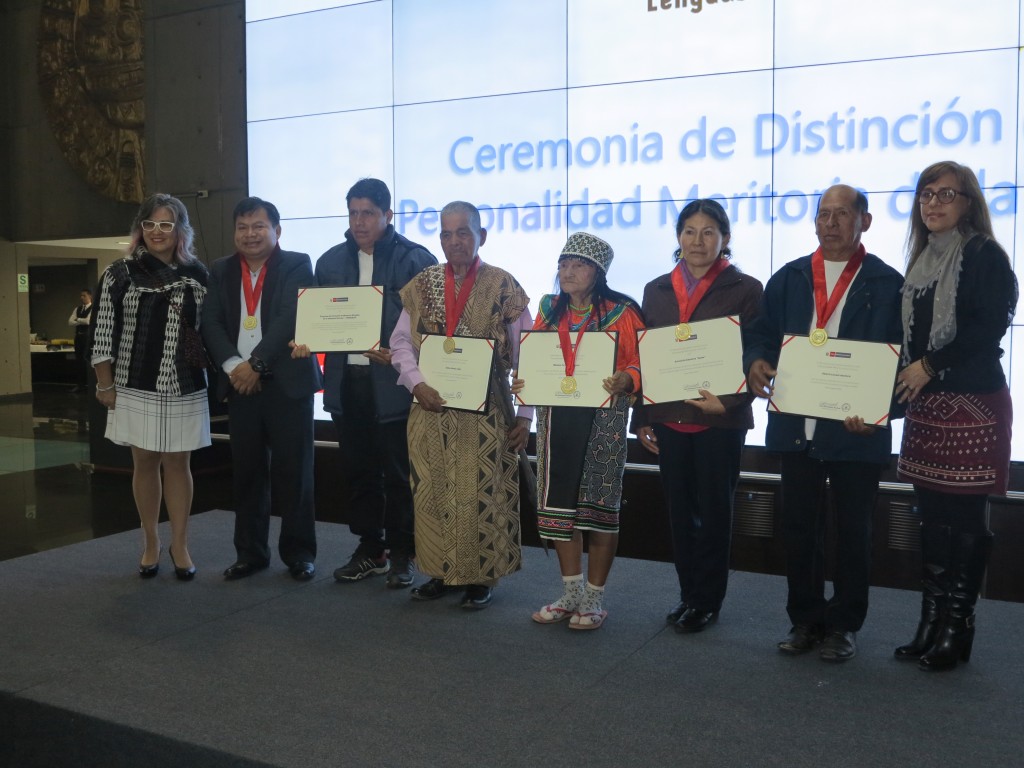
column 841, row 355
column 339, row 299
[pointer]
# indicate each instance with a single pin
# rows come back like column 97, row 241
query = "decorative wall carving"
column 91, row 81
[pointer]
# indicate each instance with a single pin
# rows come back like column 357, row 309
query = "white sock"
column 591, row 602
column 572, row 594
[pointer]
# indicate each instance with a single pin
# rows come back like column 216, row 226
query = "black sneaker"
column 400, row 575
column 360, row 566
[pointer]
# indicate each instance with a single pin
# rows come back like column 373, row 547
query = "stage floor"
column 98, row 667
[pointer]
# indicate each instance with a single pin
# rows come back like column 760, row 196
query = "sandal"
column 588, row 620
column 551, row 614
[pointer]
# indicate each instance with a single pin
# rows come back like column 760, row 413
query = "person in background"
column 248, row 324
column 699, row 442
column 465, row 465
column 581, row 452
column 79, row 320
column 839, row 291
column 959, row 298
column 151, row 370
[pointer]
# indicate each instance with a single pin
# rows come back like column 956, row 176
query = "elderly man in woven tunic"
column 465, row 477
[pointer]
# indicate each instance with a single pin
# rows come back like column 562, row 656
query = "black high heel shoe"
column 183, row 574
column 149, row 571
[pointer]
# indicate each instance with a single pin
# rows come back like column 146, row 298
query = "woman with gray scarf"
column 958, row 300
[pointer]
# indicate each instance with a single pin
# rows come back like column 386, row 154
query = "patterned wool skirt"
column 581, row 458
column 163, row 423
column 958, row 442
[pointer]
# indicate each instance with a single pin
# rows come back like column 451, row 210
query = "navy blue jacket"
column 871, row 313
column 396, row 261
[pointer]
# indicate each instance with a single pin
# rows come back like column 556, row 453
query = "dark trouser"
column 81, row 358
column 375, row 463
column 699, row 473
column 962, row 512
column 804, row 511
column 272, row 461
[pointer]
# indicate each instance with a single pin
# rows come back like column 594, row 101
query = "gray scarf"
column 939, row 266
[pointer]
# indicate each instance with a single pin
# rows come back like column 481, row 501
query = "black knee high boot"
column 956, row 635
column 935, row 552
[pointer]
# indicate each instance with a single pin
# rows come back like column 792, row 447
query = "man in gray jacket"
column 362, row 394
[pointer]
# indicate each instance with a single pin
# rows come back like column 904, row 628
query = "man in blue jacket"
column 369, row 408
column 844, row 292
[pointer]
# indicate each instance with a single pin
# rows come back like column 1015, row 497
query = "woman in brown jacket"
column 698, row 442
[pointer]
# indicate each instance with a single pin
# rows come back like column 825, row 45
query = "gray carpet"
column 270, row 671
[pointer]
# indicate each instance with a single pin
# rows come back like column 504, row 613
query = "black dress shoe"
column 839, row 646
column 241, row 569
column 431, row 590
column 302, row 570
column 477, row 597
column 694, row 620
column 183, row 574
column 801, row 639
column 677, row 613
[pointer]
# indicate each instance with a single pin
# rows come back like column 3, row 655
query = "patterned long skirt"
column 581, row 458
column 958, row 442
column 465, row 485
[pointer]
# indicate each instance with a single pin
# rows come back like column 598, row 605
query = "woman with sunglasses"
column 150, row 370
column 958, row 300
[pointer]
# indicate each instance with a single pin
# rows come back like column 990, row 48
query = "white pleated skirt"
column 162, row 423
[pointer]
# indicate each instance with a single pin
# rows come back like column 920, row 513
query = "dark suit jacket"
column 287, row 272
column 871, row 313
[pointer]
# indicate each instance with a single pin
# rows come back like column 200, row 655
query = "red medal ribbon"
column 453, row 306
column 252, row 295
column 568, row 350
column 825, row 309
column 688, row 303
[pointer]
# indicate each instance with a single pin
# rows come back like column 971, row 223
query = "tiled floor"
column 49, row 495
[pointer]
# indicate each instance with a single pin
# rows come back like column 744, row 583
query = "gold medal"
column 449, row 345
column 683, row 331
column 818, row 337
column 249, row 323
column 569, row 385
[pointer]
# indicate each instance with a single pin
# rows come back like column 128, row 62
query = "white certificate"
column 542, row 368
column 339, row 319
column 463, row 376
column 710, row 358
column 839, row 379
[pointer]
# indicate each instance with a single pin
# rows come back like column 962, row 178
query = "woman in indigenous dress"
column 958, row 300
column 699, row 442
column 150, row 370
column 581, row 452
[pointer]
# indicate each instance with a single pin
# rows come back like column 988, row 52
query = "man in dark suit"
column 839, row 291
column 248, row 320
